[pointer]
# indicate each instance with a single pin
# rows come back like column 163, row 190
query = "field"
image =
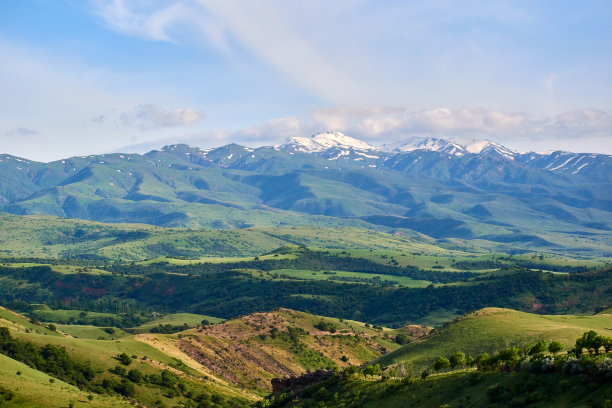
column 342, row 276
column 176, row 319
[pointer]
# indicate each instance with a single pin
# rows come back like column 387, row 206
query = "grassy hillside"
column 51, row 237
column 34, row 389
column 459, row 389
column 234, row 360
column 492, row 329
column 251, row 350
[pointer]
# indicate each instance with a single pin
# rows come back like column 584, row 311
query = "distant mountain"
column 447, row 189
column 456, row 147
column 323, row 141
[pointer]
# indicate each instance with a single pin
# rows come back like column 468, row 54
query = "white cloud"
column 593, row 119
column 441, row 121
column 341, row 117
column 149, row 116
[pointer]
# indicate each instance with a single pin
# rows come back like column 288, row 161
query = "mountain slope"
column 476, row 190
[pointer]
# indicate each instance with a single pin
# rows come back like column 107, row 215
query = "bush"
column 402, row 339
column 326, row 326
column 124, row 359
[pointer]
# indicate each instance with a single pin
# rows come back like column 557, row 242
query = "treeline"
column 514, row 377
column 232, row 293
column 535, row 358
column 305, row 260
column 57, row 363
column 50, row 359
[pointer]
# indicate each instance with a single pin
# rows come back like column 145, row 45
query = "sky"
column 83, row 77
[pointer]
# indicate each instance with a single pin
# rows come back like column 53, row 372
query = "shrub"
column 124, row 359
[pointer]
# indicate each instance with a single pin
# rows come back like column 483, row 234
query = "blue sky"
column 85, row 77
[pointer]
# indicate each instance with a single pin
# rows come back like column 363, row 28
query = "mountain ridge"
column 529, row 198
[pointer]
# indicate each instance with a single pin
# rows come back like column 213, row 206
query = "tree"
column 402, row 339
column 457, row 359
column 441, row 363
column 538, row 348
column 607, row 344
column 590, row 340
column 371, row 370
column 124, row 359
column 554, row 347
column 135, row 376
column 482, row 360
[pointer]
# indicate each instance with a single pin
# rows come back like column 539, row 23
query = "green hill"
column 458, row 389
column 229, row 363
column 492, row 329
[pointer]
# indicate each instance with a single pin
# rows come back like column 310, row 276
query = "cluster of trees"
column 593, row 342
column 305, row 260
column 512, row 358
column 56, row 362
column 326, row 326
column 50, row 359
column 169, row 329
column 214, row 294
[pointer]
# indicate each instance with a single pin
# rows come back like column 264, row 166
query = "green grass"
column 492, row 329
column 176, row 319
column 33, row 389
column 459, row 389
column 19, row 322
column 90, row 332
column 64, row 315
column 321, row 275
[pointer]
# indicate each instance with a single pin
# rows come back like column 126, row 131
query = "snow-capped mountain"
column 321, row 142
column 424, row 143
column 455, row 147
column 598, row 166
column 334, row 144
column 338, row 146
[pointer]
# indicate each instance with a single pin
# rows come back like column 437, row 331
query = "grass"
column 90, row 332
column 64, row 315
column 491, row 329
column 176, row 319
column 20, row 323
column 333, row 275
column 33, row 389
column 460, row 389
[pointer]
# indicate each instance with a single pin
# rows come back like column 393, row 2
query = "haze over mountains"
column 446, row 189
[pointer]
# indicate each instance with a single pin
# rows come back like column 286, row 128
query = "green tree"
column 135, row 376
column 590, row 340
column 554, row 347
column 441, row 363
column 457, row 359
column 538, row 348
column 402, row 339
column 607, row 344
column 371, row 370
column 482, row 360
column 124, row 359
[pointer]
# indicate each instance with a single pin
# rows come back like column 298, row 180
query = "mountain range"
column 456, row 191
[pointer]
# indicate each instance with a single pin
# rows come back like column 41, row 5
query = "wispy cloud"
column 20, row 131
column 149, row 116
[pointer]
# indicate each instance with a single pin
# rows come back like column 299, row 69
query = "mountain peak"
column 455, row 146
column 323, row 141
